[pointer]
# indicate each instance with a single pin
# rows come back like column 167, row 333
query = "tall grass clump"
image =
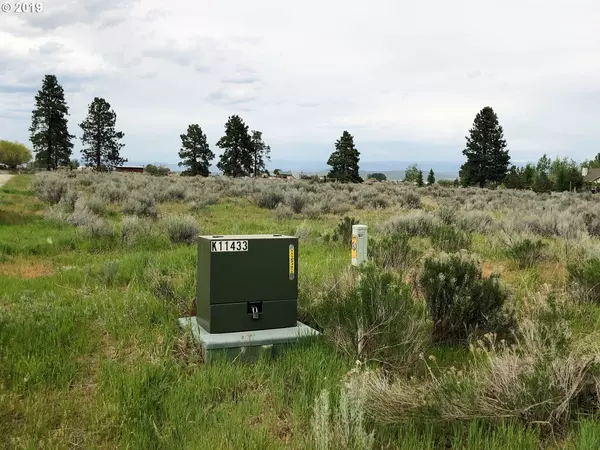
column 585, row 276
column 133, row 227
column 393, row 251
column 181, row 228
column 450, row 239
column 461, row 301
column 342, row 426
column 534, row 382
column 373, row 317
column 526, row 250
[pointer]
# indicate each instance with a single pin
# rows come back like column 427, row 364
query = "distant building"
column 284, row 175
column 130, row 169
column 591, row 175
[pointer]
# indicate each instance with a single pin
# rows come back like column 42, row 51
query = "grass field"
column 96, row 269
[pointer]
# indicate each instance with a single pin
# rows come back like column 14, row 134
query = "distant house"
column 284, row 175
column 591, row 175
column 130, row 169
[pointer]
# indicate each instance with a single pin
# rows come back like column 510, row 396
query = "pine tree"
column 487, row 156
column 431, row 177
column 237, row 157
column 260, row 153
column 49, row 131
column 420, row 179
column 195, row 152
column 102, row 148
column 344, row 160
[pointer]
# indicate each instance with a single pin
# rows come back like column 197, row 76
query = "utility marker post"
column 359, row 257
column 359, row 244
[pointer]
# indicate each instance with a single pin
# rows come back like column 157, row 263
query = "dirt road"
column 4, row 178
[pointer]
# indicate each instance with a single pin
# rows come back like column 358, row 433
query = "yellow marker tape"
column 292, row 263
column 354, row 245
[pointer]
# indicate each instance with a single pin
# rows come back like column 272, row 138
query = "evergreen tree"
column 515, row 179
column 528, row 175
column 102, row 148
column 431, row 177
column 420, row 179
column 344, row 160
column 487, row 156
column 237, row 157
column 260, row 153
column 195, row 152
column 49, row 132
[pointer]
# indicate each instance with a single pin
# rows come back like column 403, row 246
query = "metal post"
column 359, row 257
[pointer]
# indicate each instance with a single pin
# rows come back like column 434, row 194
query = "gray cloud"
column 240, row 79
column 225, row 97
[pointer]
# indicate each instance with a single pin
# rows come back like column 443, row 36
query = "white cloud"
column 393, row 71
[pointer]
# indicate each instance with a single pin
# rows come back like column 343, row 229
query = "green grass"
column 91, row 355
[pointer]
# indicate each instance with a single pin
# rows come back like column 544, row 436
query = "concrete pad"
column 245, row 344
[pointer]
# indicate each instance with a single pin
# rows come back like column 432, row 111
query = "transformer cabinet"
column 247, row 282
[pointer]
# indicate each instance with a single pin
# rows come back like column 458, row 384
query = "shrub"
column 339, row 208
column 411, row 201
column 585, row 275
column 413, row 224
column 82, row 216
column 204, row 202
column 312, row 211
column 450, row 239
column 343, row 232
column 99, row 228
column 140, row 205
column 174, row 193
column 68, row 200
column 181, row 228
column 592, row 223
column 527, row 252
column 282, row 212
column 447, row 214
column 374, row 317
column 49, row 189
column 96, row 205
column 461, row 302
column 156, row 171
column 392, row 251
column 269, row 199
column 132, row 227
column 296, row 201
column 112, row 192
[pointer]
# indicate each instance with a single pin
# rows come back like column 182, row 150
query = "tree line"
column 245, row 153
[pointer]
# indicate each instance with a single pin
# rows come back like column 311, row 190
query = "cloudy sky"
column 406, row 78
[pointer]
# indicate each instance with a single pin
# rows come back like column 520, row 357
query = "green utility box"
column 247, row 282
